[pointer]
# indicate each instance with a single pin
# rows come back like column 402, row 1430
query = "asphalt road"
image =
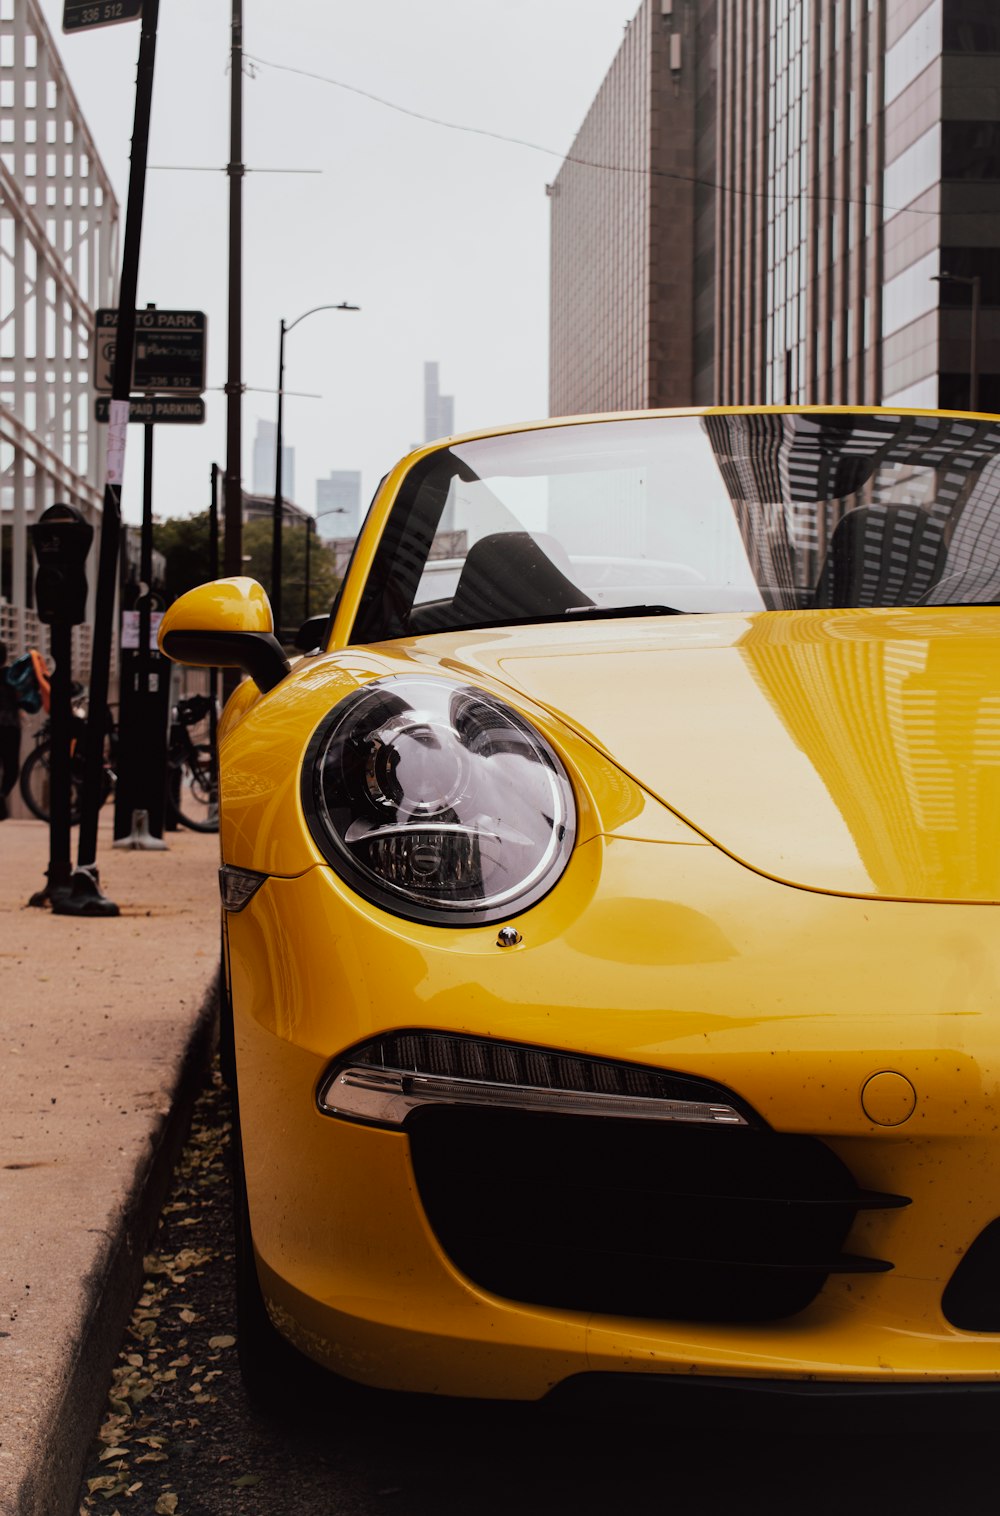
column 179, row 1438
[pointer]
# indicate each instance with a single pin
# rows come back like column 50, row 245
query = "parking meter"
column 61, row 539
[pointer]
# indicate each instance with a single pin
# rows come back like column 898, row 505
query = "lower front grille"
column 634, row 1218
column 971, row 1301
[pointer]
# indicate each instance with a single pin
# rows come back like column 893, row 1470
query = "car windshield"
column 683, row 514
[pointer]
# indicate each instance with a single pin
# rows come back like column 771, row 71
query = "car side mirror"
column 310, row 634
column 226, row 624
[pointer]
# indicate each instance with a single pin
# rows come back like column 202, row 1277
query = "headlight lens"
column 438, row 801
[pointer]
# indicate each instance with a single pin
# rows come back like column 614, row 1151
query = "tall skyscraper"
column 622, row 211
column 264, row 461
column 338, row 505
column 784, row 201
column 439, row 410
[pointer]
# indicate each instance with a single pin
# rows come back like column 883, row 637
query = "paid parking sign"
column 81, row 15
column 151, row 410
column 169, row 357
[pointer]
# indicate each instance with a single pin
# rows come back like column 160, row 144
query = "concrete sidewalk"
column 105, row 1026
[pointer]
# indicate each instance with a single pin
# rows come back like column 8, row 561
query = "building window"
column 914, row 171
column 915, row 50
column 911, row 294
column 970, row 150
column 971, row 26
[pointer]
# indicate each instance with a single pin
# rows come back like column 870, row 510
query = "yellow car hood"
column 851, row 751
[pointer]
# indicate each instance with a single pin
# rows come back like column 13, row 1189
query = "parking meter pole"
column 61, row 539
column 60, row 724
column 60, row 712
column 85, row 897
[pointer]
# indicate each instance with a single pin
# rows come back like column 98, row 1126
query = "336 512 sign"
column 79, row 15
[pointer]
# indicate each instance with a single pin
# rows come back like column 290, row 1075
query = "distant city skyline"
column 264, row 461
column 338, row 504
column 439, row 410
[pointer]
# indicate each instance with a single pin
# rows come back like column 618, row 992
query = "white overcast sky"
column 440, row 236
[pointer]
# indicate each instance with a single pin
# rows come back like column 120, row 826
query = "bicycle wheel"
column 36, row 779
column 189, row 789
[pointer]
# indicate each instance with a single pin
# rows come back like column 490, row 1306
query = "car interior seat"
column 508, row 576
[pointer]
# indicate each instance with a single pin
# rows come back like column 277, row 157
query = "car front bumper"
column 665, row 955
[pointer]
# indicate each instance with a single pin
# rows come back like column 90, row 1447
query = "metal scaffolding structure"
column 58, row 263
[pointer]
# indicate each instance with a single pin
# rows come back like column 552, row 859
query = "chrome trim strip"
column 387, row 1096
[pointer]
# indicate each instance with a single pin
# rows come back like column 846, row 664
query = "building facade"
column 821, row 178
column 261, row 508
column 58, row 262
column 622, row 217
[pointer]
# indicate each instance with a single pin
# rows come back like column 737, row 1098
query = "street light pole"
column 975, row 283
column 277, row 513
column 277, row 517
column 307, row 607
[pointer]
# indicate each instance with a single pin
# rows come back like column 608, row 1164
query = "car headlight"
column 438, row 802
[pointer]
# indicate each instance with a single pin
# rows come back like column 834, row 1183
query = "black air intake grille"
column 972, row 1300
column 634, row 1218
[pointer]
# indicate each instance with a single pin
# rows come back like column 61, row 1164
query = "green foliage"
column 183, row 540
column 323, row 581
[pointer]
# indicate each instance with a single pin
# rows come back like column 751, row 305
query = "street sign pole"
column 144, row 703
column 84, row 897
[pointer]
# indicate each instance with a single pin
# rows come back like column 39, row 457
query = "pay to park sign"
column 169, row 356
column 80, row 15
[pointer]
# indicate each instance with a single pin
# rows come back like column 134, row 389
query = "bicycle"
column 35, row 780
column 192, row 795
column 190, row 799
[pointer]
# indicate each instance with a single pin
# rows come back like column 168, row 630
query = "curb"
column 49, row 1485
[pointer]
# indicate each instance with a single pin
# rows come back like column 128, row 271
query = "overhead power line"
column 610, row 168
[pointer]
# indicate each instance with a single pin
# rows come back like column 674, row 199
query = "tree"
column 323, row 581
column 184, row 543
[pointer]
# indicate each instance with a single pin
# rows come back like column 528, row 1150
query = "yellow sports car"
column 615, row 998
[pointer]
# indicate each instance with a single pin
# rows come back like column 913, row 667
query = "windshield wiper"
column 611, row 612
column 547, row 618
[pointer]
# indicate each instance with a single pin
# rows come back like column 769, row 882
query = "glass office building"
column 622, row 215
column 842, row 198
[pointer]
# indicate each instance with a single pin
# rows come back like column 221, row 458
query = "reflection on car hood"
column 847, row 750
